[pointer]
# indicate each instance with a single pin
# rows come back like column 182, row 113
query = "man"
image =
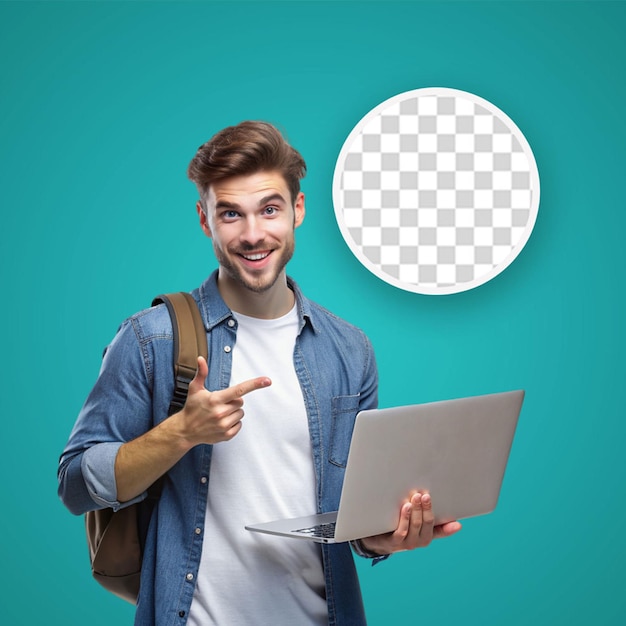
column 304, row 375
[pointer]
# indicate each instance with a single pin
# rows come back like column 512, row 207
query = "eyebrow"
column 274, row 197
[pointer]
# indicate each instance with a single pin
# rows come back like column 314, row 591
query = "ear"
column 299, row 210
column 204, row 222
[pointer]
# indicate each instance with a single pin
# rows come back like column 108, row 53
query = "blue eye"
column 270, row 210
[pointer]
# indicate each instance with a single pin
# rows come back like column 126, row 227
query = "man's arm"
column 118, row 408
column 207, row 417
column 118, row 412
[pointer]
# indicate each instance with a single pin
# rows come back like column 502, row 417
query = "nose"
column 252, row 233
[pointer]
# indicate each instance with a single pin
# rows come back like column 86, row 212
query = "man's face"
column 251, row 221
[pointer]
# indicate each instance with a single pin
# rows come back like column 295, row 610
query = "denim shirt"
column 336, row 368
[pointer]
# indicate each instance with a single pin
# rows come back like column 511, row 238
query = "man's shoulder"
column 151, row 323
column 321, row 312
column 325, row 320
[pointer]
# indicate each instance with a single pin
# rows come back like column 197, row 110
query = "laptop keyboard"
column 326, row 531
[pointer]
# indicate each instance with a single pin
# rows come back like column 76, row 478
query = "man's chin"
column 256, row 284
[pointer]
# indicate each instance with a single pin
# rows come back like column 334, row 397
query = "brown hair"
column 244, row 149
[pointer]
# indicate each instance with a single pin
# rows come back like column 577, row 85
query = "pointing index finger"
column 241, row 389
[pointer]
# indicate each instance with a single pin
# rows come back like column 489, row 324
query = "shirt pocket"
column 344, row 410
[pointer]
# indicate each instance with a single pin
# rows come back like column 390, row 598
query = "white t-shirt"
column 265, row 472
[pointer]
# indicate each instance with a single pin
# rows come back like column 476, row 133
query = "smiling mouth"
column 258, row 256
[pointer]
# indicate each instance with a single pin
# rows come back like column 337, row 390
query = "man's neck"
column 275, row 302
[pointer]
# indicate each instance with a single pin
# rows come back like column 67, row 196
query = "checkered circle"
column 436, row 191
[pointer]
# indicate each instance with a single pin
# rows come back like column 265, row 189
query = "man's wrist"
column 361, row 550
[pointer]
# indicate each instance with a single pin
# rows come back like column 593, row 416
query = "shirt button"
column 231, row 323
column 227, row 348
column 198, row 531
column 203, row 480
column 189, row 576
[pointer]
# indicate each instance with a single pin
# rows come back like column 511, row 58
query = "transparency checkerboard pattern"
column 436, row 191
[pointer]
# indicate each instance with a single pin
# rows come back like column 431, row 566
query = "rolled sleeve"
column 98, row 469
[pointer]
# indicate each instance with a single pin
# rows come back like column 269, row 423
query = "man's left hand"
column 416, row 528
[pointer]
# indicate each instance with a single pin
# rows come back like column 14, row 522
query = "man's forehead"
column 253, row 186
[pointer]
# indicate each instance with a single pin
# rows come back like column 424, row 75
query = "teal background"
column 103, row 106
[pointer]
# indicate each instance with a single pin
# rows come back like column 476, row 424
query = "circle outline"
column 534, row 191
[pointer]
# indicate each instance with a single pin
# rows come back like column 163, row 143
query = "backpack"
column 116, row 539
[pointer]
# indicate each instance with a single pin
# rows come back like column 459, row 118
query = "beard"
column 266, row 278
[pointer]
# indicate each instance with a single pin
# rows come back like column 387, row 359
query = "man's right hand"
column 214, row 416
column 207, row 417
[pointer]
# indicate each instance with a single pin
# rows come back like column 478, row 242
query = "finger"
column 428, row 519
column 232, row 431
column 404, row 524
column 233, row 418
column 416, row 511
column 415, row 520
column 445, row 530
column 197, row 383
column 395, row 541
column 241, row 389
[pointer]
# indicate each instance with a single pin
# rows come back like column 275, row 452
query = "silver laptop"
column 455, row 449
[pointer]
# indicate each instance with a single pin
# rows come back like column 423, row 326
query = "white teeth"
column 256, row 257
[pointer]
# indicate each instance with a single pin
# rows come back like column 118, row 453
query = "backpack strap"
column 189, row 342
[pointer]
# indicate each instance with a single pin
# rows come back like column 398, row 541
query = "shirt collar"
column 214, row 310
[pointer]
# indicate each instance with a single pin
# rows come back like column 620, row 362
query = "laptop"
column 457, row 450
